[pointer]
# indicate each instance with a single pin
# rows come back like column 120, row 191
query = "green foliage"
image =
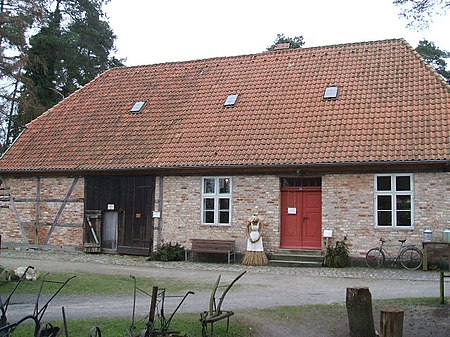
column 435, row 57
column 169, row 252
column 85, row 284
column 186, row 324
column 337, row 256
column 17, row 19
column 420, row 12
column 48, row 50
column 296, row 41
column 70, row 50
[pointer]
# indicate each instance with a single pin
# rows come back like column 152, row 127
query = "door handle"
column 305, row 218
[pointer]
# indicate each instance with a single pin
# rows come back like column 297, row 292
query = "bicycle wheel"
column 411, row 258
column 375, row 258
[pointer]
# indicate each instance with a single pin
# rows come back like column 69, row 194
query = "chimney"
column 281, row 46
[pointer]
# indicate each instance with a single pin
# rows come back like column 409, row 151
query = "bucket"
column 446, row 235
column 427, row 235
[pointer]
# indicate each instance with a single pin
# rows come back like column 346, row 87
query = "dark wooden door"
column 131, row 198
column 301, row 218
column 136, row 228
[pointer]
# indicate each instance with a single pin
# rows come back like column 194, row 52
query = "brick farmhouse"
column 350, row 140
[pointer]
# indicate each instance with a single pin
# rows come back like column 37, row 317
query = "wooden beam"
column 61, row 209
column 38, row 210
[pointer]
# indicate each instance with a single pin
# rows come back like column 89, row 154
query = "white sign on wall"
column 327, row 233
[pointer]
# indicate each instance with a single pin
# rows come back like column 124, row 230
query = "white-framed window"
column 394, row 200
column 216, row 201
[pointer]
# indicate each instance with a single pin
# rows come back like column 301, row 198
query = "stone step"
column 290, row 257
column 297, row 258
column 299, row 252
column 295, row 264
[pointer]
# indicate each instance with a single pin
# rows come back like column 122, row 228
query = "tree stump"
column 391, row 322
column 359, row 310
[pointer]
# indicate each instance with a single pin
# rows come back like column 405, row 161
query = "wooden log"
column 391, row 322
column 359, row 311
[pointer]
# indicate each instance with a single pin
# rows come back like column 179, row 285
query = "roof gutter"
column 329, row 167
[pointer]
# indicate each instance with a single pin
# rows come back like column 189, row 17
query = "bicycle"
column 409, row 256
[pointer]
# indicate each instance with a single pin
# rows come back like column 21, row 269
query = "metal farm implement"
column 161, row 326
column 40, row 330
column 215, row 312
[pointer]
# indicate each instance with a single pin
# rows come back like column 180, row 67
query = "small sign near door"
column 292, row 210
column 110, row 207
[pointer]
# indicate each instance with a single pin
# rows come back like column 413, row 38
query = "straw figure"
column 254, row 256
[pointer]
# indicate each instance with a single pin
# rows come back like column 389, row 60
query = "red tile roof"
column 391, row 107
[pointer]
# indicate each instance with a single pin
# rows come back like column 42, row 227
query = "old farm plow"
column 215, row 312
column 161, row 326
column 40, row 329
column 155, row 323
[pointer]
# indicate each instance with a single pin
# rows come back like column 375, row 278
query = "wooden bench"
column 214, row 247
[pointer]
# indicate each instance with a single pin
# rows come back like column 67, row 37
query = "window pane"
column 403, row 183
column 301, row 182
column 208, row 217
column 224, row 204
column 384, row 218
column 224, row 217
column 208, row 204
column 224, row 185
column 403, row 202
column 383, row 183
column 208, row 185
column 384, row 202
column 403, row 218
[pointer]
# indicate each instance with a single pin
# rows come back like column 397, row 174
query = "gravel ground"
column 261, row 287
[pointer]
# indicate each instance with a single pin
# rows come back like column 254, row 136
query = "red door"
column 301, row 218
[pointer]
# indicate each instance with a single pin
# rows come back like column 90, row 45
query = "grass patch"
column 96, row 284
column 308, row 316
column 186, row 324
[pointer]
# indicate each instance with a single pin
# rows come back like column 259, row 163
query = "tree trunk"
column 359, row 311
column 391, row 322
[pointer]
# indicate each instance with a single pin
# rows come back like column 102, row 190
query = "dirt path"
column 260, row 288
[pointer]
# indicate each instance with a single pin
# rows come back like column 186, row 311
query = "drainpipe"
column 160, row 209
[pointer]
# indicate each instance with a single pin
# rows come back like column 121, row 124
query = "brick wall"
column 182, row 210
column 38, row 202
column 348, row 209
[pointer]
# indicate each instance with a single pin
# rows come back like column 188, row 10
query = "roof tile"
column 391, row 107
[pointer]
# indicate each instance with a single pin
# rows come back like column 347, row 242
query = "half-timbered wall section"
column 42, row 211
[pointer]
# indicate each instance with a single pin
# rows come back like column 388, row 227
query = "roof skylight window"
column 231, row 100
column 137, row 107
column 331, row 92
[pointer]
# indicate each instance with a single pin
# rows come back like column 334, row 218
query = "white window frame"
column 393, row 193
column 217, row 196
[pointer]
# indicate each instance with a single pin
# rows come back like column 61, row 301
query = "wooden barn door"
column 136, row 229
column 125, row 204
column 301, row 216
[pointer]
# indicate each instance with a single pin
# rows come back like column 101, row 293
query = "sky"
column 159, row 31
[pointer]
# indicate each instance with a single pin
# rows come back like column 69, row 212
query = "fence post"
column 441, row 288
column 391, row 322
